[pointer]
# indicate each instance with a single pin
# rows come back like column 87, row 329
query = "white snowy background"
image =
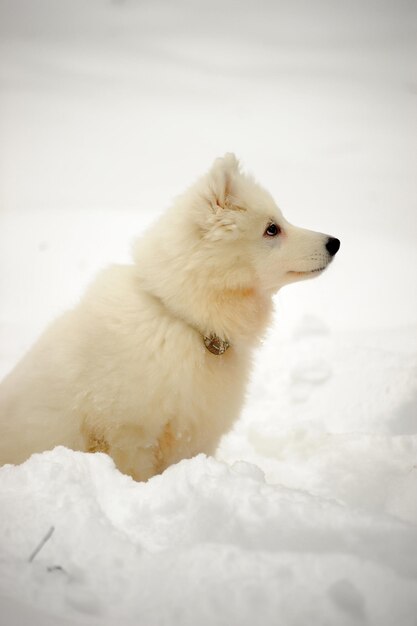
column 308, row 514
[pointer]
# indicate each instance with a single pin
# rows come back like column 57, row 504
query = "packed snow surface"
column 308, row 513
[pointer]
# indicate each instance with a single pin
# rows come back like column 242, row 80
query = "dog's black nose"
column 332, row 245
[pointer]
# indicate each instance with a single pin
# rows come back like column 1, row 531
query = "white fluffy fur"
column 126, row 372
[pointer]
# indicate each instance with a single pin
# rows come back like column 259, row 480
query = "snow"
column 205, row 542
column 308, row 513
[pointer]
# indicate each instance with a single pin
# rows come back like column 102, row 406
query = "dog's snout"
column 332, row 245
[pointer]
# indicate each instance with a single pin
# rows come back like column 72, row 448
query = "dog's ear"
column 221, row 179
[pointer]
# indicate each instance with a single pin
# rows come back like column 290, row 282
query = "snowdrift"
column 204, row 543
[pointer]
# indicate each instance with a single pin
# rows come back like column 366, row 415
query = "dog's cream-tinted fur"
column 126, row 372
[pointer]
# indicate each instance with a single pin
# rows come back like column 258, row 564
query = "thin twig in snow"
column 42, row 543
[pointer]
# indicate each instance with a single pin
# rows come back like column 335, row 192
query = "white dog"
column 151, row 366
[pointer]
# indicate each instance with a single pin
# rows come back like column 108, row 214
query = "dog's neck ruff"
column 215, row 345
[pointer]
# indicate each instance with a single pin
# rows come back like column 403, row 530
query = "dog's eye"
column 272, row 231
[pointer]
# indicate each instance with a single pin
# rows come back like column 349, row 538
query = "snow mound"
column 204, row 543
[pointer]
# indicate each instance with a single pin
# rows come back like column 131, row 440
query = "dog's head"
column 247, row 234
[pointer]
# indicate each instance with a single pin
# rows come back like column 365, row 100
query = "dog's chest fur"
column 155, row 394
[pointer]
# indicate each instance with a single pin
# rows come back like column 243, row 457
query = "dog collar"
column 215, row 345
